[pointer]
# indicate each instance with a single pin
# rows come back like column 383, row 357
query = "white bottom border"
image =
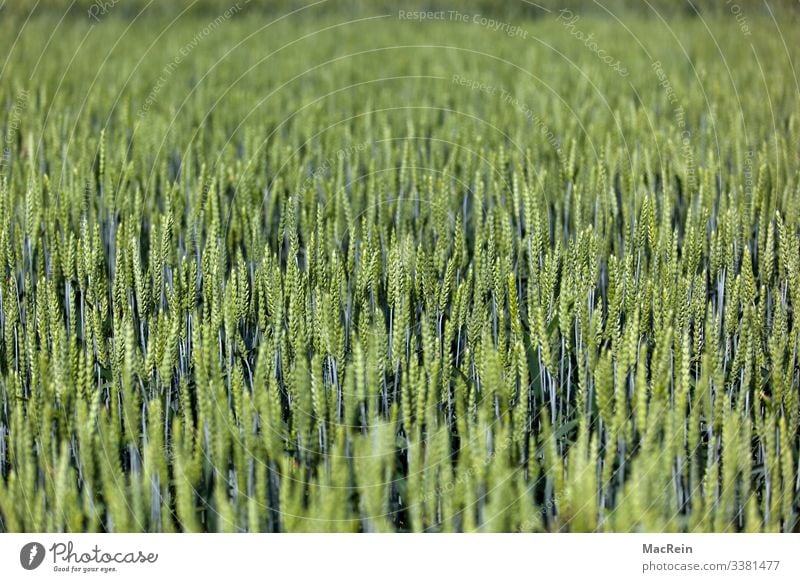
column 400, row 557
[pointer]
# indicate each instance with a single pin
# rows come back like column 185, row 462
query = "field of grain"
column 390, row 272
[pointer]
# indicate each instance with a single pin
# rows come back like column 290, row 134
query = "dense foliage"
column 314, row 8
column 258, row 277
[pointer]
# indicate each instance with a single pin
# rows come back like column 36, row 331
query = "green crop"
column 381, row 275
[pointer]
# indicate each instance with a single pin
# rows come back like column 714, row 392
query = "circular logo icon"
column 31, row 555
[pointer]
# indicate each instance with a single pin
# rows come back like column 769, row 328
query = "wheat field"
column 378, row 272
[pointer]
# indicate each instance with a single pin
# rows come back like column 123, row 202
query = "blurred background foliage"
column 509, row 9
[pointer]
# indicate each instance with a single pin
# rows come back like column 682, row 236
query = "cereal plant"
column 373, row 274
